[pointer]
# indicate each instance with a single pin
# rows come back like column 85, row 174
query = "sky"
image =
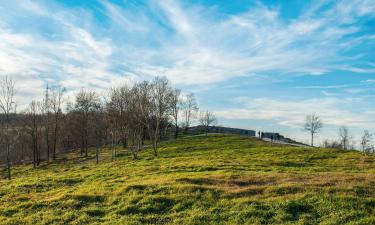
column 261, row 65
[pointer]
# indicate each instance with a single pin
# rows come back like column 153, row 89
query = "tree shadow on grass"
column 295, row 209
column 85, row 200
column 151, row 205
column 95, row 212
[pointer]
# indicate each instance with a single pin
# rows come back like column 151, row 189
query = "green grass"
column 217, row 179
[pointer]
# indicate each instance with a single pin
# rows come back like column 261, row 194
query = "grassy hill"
column 217, row 179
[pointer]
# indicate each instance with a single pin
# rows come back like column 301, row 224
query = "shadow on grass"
column 246, row 193
column 95, row 212
column 295, row 209
column 152, row 205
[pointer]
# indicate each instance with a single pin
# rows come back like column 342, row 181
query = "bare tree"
column 206, row 119
column 99, row 128
column 143, row 107
column 366, row 141
column 175, row 107
column 344, row 137
column 86, row 102
column 331, row 144
column 132, row 114
column 190, row 108
column 141, row 110
column 112, row 119
column 7, row 106
column 135, row 130
column 159, row 105
column 313, row 125
column 46, row 114
column 56, row 101
column 32, row 126
column 116, row 110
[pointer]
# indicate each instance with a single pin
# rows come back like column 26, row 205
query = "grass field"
column 197, row 180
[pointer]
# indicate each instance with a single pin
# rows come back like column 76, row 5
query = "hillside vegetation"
column 218, row 179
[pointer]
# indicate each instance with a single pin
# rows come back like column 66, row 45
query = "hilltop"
column 215, row 179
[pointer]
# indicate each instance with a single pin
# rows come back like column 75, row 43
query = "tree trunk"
column 82, row 145
column 7, row 145
column 47, row 141
column 8, row 161
column 312, row 140
column 34, row 156
column 176, row 126
column 55, row 139
column 113, row 148
column 97, row 155
column 155, row 143
column 86, row 144
column 34, row 149
column 176, row 132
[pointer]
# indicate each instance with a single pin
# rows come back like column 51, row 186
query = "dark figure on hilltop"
column 272, row 138
column 259, row 135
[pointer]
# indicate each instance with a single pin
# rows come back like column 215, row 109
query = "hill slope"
column 217, row 179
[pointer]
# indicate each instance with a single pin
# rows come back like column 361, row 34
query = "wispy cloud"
column 205, row 49
column 189, row 43
column 292, row 114
column 111, row 43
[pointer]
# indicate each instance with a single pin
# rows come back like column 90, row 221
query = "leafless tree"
column 56, row 102
column 112, row 119
column 313, row 125
column 344, row 137
column 118, row 107
column 189, row 108
column 46, row 111
column 366, row 141
column 135, row 130
column 159, row 105
column 132, row 113
column 86, row 102
column 206, row 119
column 7, row 106
column 331, row 144
column 32, row 125
column 175, row 108
column 99, row 127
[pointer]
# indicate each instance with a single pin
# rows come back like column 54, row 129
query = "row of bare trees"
column 314, row 124
column 346, row 141
column 134, row 116
column 40, row 124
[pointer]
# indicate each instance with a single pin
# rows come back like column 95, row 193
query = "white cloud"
column 190, row 44
column 207, row 50
column 334, row 111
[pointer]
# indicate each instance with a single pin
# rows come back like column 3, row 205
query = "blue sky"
column 256, row 64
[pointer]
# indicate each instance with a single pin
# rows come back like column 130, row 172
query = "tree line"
column 133, row 116
column 345, row 141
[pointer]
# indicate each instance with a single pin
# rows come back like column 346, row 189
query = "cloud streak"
column 292, row 114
